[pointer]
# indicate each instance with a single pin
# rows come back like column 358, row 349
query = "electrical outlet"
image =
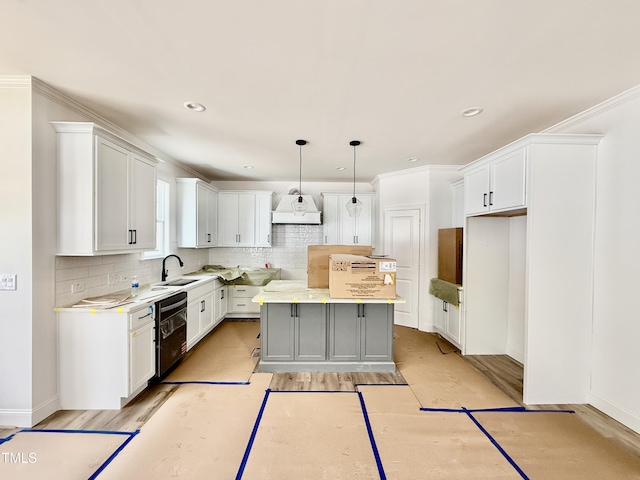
column 112, row 279
column 77, row 287
column 8, row 281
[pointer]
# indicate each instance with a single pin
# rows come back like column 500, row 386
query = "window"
column 162, row 222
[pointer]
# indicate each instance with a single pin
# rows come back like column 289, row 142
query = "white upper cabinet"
column 106, row 192
column 197, row 213
column 244, row 218
column 496, row 183
column 342, row 229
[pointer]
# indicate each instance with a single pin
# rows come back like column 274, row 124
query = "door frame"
column 424, row 306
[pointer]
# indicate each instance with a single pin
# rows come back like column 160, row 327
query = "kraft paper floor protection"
column 224, row 356
column 415, row 445
column 443, row 380
column 558, row 446
column 200, row 433
column 70, row 456
column 312, row 435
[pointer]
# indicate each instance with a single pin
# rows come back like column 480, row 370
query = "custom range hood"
column 297, row 208
column 284, row 211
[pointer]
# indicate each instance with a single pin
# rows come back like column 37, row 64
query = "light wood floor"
column 502, row 370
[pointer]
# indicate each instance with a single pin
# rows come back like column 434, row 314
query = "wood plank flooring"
column 329, row 381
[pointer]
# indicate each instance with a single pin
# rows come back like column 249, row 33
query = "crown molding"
column 414, row 170
column 625, row 97
column 60, row 98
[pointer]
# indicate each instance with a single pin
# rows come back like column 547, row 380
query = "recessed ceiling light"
column 340, row 168
column 194, row 107
column 412, row 159
column 471, row 112
column 248, row 167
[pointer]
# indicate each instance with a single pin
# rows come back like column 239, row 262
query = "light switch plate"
column 8, row 281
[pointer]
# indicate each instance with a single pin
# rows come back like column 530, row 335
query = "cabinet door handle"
column 208, row 238
column 490, row 198
column 135, row 237
column 325, row 239
column 293, row 309
column 222, row 294
column 268, row 238
column 202, row 306
column 445, row 306
column 484, row 201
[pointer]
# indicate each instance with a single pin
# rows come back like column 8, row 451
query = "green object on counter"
column 444, row 290
column 239, row 276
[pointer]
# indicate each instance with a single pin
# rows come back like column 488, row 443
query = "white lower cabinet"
column 200, row 312
column 448, row 320
column 220, row 303
column 142, row 356
column 240, row 304
column 105, row 357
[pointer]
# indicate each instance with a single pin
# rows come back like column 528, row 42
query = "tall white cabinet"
column 551, row 180
column 342, row 229
column 197, row 213
column 106, row 192
column 244, row 218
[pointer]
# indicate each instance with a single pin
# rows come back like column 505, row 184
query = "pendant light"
column 354, row 206
column 299, row 205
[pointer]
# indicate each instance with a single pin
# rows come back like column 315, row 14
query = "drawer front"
column 244, row 291
column 141, row 316
column 244, row 305
column 200, row 291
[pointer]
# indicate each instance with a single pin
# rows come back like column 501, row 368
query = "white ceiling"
column 393, row 74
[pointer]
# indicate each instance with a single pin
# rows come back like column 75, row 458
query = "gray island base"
column 305, row 330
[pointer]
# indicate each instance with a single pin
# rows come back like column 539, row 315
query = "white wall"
column 16, row 234
column 427, row 188
column 615, row 354
column 517, row 275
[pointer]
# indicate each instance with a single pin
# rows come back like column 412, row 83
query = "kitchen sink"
column 181, row 282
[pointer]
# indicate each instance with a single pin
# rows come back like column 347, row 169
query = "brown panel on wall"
column 450, row 255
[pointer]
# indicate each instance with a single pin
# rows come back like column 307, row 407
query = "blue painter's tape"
column 497, row 445
column 101, row 432
column 199, row 382
column 245, row 457
column 6, row 439
column 113, row 455
column 381, row 385
column 376, row 454
column 313, row 391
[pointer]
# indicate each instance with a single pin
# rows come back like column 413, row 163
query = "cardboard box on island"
column 356, row 276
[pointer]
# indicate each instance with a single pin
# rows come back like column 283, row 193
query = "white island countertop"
column 296, row 291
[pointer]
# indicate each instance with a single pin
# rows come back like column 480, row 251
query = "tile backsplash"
column 288, row 249
column 93, row 273
column 288, row 252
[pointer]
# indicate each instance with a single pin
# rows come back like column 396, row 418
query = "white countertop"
column 296, row 291
column 147, row 294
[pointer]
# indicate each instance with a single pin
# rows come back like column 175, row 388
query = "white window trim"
column 163, row 222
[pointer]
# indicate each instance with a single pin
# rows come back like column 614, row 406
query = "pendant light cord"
column 354, row 170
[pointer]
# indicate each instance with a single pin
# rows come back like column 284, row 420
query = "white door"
column 402, row 242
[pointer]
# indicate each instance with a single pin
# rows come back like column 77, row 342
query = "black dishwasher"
column 171, row 332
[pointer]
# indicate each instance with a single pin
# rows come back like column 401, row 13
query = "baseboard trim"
column 622, row 415
column 46, row 408
column 26, row 418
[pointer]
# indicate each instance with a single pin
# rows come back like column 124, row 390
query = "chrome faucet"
column 164, row 271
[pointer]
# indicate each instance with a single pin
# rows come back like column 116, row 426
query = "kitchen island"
column 306, row 330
